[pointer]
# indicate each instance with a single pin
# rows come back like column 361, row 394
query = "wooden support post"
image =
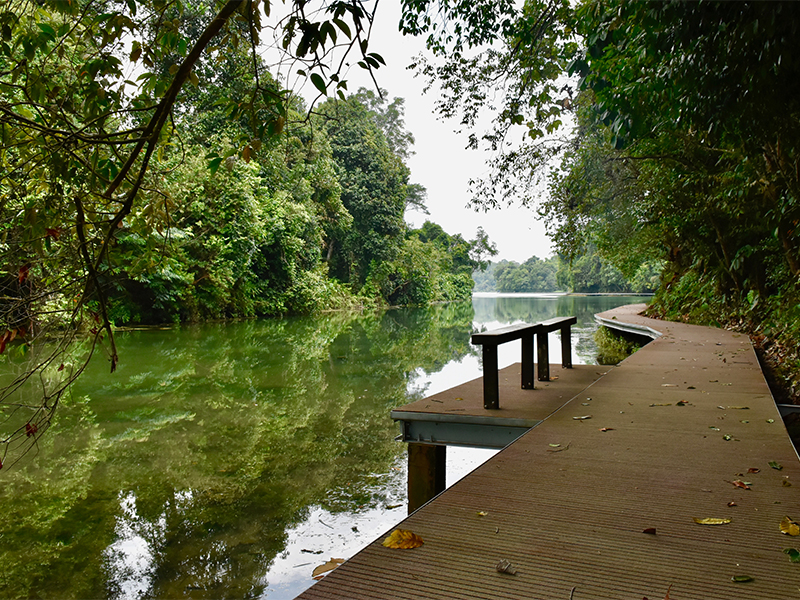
column 566, row 347
column 426, row 473
column 527, row 361
column 543, row 352
column 491, row 378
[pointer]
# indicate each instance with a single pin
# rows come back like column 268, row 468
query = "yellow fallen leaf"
column 403, row 539
column 482, row 513
column 789, row 527
column 328, row 566
column 711, row 521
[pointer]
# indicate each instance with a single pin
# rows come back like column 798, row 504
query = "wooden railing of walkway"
column 604, row 507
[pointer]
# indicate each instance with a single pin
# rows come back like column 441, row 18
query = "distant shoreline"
column 556, row 294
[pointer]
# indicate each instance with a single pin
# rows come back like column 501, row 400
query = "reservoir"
column 229, row 460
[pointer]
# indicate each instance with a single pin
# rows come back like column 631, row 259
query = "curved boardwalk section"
column 599, row 500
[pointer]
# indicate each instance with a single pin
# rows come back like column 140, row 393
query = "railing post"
column 566, row 347
column 543, row 351
column 527, row 361
column 491, row 378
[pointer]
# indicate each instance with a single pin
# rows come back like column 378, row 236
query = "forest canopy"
column 154, row 170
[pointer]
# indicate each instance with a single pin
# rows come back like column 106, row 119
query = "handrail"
column 490, row 340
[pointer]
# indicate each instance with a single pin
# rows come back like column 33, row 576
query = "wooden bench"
column 563, row 324
column 490, row 340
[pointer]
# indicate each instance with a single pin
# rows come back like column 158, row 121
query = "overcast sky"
column 441, row 163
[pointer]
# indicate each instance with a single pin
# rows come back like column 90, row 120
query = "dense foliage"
column 153, row 170
column 684, row 156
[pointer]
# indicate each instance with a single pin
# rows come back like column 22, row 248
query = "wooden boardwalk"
column 568, row 503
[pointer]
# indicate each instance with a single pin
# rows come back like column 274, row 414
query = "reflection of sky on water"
column 129, row 560
column 342, row 535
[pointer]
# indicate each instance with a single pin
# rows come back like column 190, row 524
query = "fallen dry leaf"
column 503, row 566
column 663, row 404
column 711, row 521
column 753, row 470
column 650, row 531
column 606, row 429
column 738, row 408
column 789, row 527
column 328, row 566
column 583, row 418
column 558, row 449
column 732, row 503
column 403, row 539
column 482, row 513
column 740, row 484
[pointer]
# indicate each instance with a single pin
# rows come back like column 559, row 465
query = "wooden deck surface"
column 568, row 503
column 465, row 401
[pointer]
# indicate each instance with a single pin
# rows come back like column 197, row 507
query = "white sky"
column 441, row 163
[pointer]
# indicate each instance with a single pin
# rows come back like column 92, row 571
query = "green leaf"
column 49, row 32
column 742, row 578
column 213, row 165
column 319, row 83
column 344, row 27
column 775, row 465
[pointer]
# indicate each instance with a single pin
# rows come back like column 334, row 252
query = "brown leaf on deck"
column 403, row 539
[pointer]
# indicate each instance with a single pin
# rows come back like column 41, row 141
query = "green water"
column 227, row 460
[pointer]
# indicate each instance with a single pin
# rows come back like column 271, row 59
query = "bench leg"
column 426, row 473
column 543, row 350
column 491, row 379
column 566, row 347
column 527, row 362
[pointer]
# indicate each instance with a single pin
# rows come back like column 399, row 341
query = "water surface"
column 228, row 460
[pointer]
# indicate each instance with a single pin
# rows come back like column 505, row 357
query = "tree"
column 373, row 180
column 534, row 275
column 80, row 139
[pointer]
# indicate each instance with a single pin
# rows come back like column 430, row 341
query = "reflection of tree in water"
column 207, row 444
